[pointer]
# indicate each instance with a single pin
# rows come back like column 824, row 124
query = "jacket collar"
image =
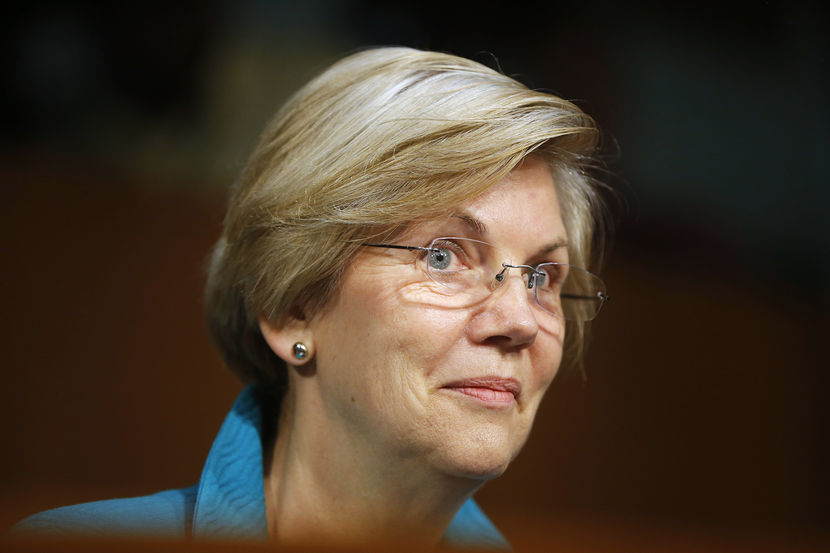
column 230, row 502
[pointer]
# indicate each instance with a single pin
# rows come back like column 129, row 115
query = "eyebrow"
column 479, row 227
column 550, row 248
column 475, row 224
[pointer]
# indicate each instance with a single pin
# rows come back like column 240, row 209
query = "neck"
column 323, row 484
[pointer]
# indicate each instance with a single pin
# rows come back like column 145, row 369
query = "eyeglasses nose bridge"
column 502, row 275
column 531, row 276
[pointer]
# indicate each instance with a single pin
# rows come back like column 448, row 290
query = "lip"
column 493, row 390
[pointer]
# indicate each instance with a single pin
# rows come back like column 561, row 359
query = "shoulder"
column 166, row 513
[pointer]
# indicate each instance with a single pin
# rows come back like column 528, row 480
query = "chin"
column 483, row 461
column 482, row 471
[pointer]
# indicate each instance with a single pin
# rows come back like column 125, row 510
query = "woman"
column 400, row 260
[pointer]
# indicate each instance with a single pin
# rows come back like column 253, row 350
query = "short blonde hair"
column 382, row 139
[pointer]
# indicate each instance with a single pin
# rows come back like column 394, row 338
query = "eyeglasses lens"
column 465, row 271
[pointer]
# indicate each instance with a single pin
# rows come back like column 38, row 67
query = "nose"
column 507, row 318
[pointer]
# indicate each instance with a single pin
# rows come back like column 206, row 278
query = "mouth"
column 491, row 390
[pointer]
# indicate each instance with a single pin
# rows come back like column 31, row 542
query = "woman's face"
column 454, row 388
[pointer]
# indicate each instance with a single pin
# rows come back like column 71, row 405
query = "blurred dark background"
column 704, row 409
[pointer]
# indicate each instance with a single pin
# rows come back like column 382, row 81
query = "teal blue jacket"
column 227, row 503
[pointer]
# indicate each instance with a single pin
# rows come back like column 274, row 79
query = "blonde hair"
column 382, row 139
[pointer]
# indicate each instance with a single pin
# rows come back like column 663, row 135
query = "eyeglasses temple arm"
column 397, row 247
column 599, row 295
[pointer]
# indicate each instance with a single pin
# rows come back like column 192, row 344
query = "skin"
column 375, row 437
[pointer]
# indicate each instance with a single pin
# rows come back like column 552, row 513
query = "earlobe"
column 288, row 340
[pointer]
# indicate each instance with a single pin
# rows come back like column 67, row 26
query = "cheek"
column 547, row 357
column 380, row 337
column 548, row 369
column 412, row 330
column 426, row 338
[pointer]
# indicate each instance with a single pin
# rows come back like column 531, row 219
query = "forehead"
column 527, row 192
column 521, row 210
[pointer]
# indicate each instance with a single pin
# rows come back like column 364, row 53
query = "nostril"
column 509, row 342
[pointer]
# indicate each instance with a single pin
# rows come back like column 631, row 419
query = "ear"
column 283, row 336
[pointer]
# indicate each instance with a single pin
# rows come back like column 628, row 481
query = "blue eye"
column 439, row 258
column 551, row 276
